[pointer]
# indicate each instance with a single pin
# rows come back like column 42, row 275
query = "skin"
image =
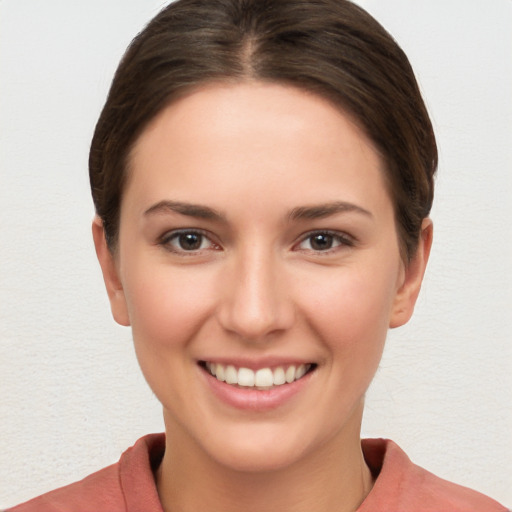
column 258, row 289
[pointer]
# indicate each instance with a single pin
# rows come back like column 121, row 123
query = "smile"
column 263, row 378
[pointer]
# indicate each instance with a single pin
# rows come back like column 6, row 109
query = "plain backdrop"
column 71, row 394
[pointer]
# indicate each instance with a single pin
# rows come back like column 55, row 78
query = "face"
column 259, row 268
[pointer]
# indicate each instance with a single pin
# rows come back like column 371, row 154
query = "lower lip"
column 252, row 399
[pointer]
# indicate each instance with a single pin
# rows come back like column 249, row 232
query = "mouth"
column 260, row 379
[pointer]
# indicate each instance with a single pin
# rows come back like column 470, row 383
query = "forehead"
column 225, row 105
column 254, row 137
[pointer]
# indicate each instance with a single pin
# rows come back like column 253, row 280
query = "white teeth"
column 300, row 371
column 290, row 374
column 264, row 378
column 279, row 376
column 246, row 377
column 220, row 373
column 231, row 375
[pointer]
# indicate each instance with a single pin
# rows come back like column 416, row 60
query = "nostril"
column 256, row 324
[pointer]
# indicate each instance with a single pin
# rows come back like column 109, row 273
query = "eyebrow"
column 189, row 209
column 321, row 211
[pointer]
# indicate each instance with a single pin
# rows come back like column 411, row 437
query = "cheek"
column 167, row 305
column 167, row 308
column 350, row 308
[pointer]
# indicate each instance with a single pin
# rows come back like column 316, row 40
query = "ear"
column 110, row 274
column 412, row 278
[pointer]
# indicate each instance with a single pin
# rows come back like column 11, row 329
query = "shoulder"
column 99, row 491
column 403, row 486
column 117, row 488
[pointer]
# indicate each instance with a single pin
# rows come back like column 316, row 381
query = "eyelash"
column 339, row 239
column 167, row 239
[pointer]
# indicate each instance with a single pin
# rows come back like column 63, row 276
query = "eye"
column 323, row 241
column 187, row 241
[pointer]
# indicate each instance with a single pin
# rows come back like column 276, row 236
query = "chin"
column 257, row 458
column 260, row 450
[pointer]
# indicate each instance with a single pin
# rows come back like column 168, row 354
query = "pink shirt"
column 129, row 486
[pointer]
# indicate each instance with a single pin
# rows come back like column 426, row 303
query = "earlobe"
column 110, row 274
column 409, row 289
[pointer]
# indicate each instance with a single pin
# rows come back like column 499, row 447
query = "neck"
column 334, row 477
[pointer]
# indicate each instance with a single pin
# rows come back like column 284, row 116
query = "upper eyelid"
column 169, row 235
column 333, row 232
column 344, row 238
column 178, row 231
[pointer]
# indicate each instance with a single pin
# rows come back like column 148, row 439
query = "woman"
column 262, row 174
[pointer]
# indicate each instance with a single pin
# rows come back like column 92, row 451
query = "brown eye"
column 323, row 241
column 190, row 241
column 184, row 241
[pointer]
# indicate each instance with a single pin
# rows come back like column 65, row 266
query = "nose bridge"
column 255, row 301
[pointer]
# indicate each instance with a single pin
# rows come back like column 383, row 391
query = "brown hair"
column 330, row 47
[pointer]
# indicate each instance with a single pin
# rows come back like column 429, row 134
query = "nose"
column 255, row 300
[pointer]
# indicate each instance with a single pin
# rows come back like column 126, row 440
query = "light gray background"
column 71, row 395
